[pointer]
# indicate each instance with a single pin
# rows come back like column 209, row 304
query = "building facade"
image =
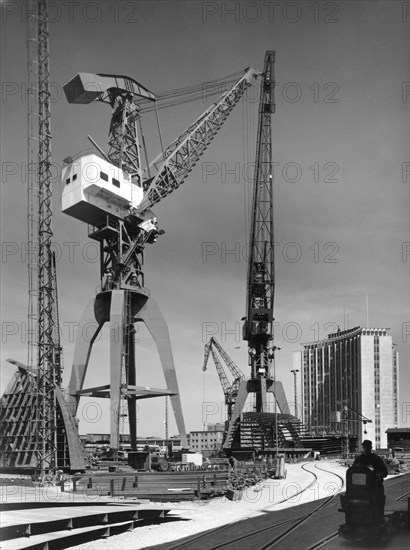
column 208, row 441
column 351, row 375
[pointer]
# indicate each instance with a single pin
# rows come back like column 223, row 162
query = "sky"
column 341, row 175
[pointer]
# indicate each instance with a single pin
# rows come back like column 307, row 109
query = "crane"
column 36, row 429
column 230, row 390
column 258, row 322
column 114, row 195
column 123, row 257
column 258, row 328
column 345, row 419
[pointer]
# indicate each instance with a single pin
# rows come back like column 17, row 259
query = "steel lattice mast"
column 32, row 178
column 258, row 328
column 48, row 346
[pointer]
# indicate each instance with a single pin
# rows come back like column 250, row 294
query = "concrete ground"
column 200, row 516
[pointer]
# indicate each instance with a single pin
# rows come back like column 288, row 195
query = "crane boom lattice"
column 230, row 389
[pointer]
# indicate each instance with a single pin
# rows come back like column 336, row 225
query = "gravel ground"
column 201, row 516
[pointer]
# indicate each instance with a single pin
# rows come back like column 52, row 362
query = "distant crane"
column 230, row 389
column 109, row 193
column 345, row 418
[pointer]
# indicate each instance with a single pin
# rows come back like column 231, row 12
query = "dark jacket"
column 373, row 460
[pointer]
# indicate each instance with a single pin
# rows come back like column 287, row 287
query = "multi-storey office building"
column 347, row 376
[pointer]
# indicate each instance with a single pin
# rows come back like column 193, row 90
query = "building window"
column 115, row 182
column 74, row 177
column 103, row 176
column 67, row 181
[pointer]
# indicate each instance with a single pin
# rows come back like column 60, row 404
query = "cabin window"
column 67, row 181
column 74, row 177
column 103, row 176
column 115, row 182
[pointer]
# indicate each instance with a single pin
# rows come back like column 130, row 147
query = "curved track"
column 284, row 527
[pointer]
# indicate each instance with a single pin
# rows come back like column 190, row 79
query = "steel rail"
column 196, row 538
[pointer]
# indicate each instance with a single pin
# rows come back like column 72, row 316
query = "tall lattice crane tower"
column 36, row 428
column 258, row 327
column 43, row 329
column 260, row 428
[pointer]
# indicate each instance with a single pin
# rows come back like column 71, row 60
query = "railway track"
column 286, row 533
column 256, row 539
column 333, row 536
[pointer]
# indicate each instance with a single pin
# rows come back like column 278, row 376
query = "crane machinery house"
column 94, row 187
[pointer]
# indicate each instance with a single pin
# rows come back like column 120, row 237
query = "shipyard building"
column 349, row 377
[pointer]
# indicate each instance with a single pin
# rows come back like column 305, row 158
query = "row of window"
column 103, row 176
column 207, row 440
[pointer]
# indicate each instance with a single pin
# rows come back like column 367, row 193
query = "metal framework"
column 258, row 323
column 48, row 364
column 123, row 240
column 32, row 188
column 230, row 389
column 181, row 156
column 258, row 329
column 123, row 137
column 36, row 428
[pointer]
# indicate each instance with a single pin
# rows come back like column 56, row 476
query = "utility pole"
column 166, row 417
column 294, row 372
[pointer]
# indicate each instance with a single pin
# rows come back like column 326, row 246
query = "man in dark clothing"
column 367, row 458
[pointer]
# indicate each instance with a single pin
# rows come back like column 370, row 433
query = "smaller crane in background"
column 345, row 418
column 230, row 390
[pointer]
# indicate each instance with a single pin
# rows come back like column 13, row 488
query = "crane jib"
column 181, row 157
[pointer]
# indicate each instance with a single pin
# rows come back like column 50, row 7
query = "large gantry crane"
column 109, row 192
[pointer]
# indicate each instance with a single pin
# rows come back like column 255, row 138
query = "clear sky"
column 340, row 144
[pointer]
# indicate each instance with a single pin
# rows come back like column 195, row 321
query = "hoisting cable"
column 178, row 96
column 159, row 131
column 145, row 148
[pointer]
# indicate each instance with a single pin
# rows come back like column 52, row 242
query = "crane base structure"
column 122, row 309
column 257, row 429
column 19, row 421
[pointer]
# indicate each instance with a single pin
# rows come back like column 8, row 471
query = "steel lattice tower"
column 48, row 345
column 36, row 428
column 32, row 178
column 258, row 328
